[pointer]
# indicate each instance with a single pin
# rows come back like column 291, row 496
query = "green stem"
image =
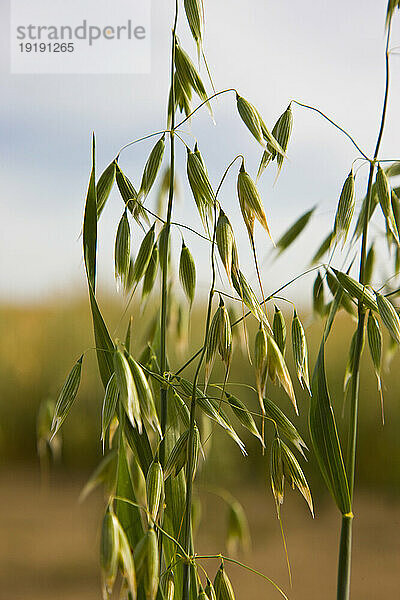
column 343, row 587
column 164, row 285
column 345, row 549
column 141, row 139
column 334, row 124
column 202, row 104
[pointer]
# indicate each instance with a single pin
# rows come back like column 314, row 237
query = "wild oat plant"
column 155, row 423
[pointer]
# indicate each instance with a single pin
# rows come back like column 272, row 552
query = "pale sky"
column 328, row 54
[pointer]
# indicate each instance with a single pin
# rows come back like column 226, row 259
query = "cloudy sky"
column 328, row 54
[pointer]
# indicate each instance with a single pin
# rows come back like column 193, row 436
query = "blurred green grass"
column 39, row 344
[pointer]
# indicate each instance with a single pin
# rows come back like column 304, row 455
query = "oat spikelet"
column 250, row 202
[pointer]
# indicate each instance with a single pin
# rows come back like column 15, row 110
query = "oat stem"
column 344, row 567
column 202, row 104
column 141, row 139
column 164, row 285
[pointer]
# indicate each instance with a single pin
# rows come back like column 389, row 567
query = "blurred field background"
column 49, row 542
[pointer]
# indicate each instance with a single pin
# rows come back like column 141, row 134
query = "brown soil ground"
column 49, row 544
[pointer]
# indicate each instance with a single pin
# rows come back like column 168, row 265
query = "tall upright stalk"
column 345, row 548
column 164, row 284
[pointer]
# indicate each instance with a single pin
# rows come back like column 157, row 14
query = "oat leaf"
column 294, row 231
column 325, row 437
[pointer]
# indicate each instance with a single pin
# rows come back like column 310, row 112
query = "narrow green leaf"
column 90, row 225
column 350, row 361
column 294, row 231
column 325, row 438
column 334, row 308
column 104, row 343
column 323, row 249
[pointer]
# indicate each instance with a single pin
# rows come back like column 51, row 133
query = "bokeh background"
column 329, row 55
